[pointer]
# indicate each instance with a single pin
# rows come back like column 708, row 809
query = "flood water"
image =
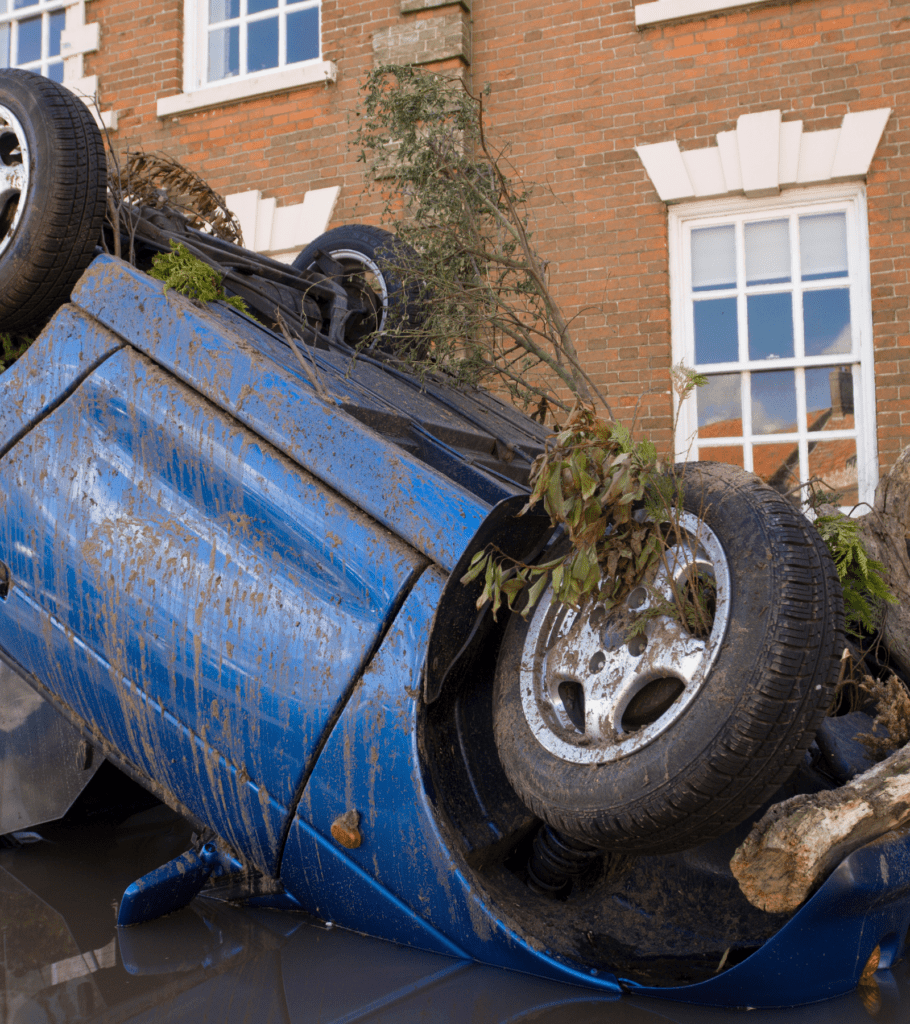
column 63, row 960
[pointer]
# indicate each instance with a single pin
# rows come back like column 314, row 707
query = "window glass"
column 767, row 252
column 255, row 6
column 716, row 334
column 826, row 321
column 774, row 402
column 29, row 41
column 713, row 258
column 224, row 53
column 262, row 45
column 823, row 246
column 770, row 320
column 303, row 35
column 719, row 406
column 223, row 10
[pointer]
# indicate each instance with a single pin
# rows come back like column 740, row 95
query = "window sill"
column 246, row 88
column 661, row 12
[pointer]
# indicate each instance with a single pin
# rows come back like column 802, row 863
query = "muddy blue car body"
column 233, row 568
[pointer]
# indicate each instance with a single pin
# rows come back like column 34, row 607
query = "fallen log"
column 884, row 531
column 800, row 841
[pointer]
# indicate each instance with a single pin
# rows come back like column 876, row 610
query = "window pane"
column 57, row 23
column 19, row 4
column 770, row 320
column 833, row 464
column 767, row 252
column 4, row 46
column 255, row 6
column 221, row 10
column 262, row 45
column 55, row 72
column 774, row 402
column 224, row 53
column 716, row 331
column 731, row 454
column 719, row 407
column 826, row 321
column 29, row 46
column 303, row 35
column 4, row 6
column 829, row 398
column 777, row 465
column 823, row 246
column 713, row 258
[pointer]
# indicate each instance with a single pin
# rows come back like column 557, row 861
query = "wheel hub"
column 590, row 693
column 14, row 174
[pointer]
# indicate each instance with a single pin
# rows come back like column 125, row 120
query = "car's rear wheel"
column 369, row 258
column 663, row 741
column 53, row 183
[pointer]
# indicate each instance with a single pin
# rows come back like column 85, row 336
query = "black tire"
column 746, row 729
column 48, row 234
column 364, row 252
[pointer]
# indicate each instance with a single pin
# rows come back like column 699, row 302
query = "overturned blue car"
column 230, row 565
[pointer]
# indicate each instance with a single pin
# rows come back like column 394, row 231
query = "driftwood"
column 884, row 532
column 798, row 842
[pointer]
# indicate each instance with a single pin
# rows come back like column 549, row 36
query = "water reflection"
column 63, row 960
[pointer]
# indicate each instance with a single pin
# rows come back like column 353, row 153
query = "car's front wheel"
column 661, row 741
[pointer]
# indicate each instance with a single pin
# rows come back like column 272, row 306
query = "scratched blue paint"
column 423, row 507
column 68, row 349
column 370, row 764
column 227, row 597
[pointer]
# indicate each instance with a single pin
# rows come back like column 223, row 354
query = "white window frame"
column 44, row 10
column 198, row 94
column 849, row 197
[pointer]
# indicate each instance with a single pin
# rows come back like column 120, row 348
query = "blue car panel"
column 226, row 598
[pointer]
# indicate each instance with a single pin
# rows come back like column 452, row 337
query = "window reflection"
column 832, row 464
column 826, row 321
column 716, row 331
column 774, row 402
column 778, row 465
column 719, row 406
column 262, row 44
column 770, row 319
column 303, row 35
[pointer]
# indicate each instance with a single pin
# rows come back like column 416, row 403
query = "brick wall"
column 574, row 87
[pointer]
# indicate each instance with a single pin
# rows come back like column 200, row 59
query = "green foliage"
column 450, row 193
column 11, row 347
column 619, row 507
column 609, row 494
column 861, row 577
column 187, row 274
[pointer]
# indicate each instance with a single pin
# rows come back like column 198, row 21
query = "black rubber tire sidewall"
column 64, row 210
column 749, row 726
column 375, row 244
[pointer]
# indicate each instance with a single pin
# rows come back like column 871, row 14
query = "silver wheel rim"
column 579, row 677
column 14, row 173
column 355, row 262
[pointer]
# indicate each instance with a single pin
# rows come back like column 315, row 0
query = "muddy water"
column 63, row 960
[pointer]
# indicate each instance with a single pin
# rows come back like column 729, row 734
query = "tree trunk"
column 884, row 532
column 798, row 842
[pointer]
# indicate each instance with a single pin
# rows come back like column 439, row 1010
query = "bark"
column 884, row 531
column 800, row 841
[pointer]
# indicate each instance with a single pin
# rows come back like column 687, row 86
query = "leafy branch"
column 490, row 310
column 187, row 274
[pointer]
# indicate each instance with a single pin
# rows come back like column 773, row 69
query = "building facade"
column 724, row 182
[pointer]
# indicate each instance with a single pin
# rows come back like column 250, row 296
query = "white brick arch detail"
column 764, row 154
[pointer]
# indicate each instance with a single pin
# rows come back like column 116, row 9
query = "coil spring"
column 557, row 861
